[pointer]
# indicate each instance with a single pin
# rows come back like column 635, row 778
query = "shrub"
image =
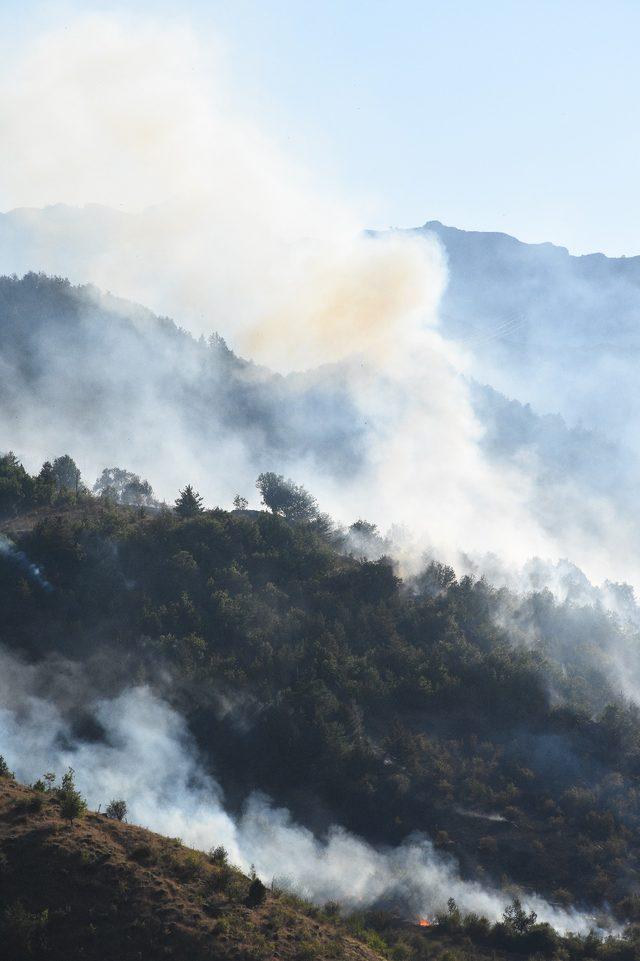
column 141, row 853
column 72, row 804
column 257, row 893
column 516, row 918
column 35, row 804
column 476, row 926
column 191, row 864
column 24, row 931
column 223, row 880
column 332, row 909
column 4, row 768
column 219, row 855
column 117, row 809
column 452, row 920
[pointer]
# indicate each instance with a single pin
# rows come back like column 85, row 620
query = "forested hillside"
column 491, row 722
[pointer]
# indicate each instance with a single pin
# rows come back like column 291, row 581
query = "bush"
column 141, row 853
column 257, row 893
column 332, row 909
column 191, row 865
column 476, row 926
column 219, row 855
column 117, row 810
column 516, row 918
column 24, row 931
column 72, row 804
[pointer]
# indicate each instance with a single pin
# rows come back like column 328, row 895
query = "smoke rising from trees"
column 144, row 754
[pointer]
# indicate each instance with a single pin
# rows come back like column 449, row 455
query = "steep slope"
column 268, row 656
column 101, row 889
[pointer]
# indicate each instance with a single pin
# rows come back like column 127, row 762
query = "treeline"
column 350, row 695
column 59, row 482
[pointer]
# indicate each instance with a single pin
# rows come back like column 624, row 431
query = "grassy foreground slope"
column 98, row 888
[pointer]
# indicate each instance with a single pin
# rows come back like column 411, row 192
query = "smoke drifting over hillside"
column 214, row 225
column 240, row 240
column 371, row 407
column 143, row 753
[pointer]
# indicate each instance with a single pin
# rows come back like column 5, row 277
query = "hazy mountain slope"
column 85, row 370
column 545, row 327
column 118, row 385
column 539, row 325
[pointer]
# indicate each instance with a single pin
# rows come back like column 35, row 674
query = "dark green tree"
column 16, row 487
column 517, row 919
column 286, row 498
column 117, row 809
column 46, row 483
column 72, row 804
column 257, row 893
column 4, row 768
column 66, row 473
column 189, row 503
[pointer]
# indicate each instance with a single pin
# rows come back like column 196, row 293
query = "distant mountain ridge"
column 552, row 344
column 456, row 235
column 543, row 326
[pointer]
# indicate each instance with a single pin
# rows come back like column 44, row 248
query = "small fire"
column 423, row 923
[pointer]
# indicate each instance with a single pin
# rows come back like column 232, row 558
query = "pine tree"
column 189, row 502
column 72, row 804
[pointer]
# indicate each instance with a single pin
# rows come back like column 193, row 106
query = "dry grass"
column 100, row 889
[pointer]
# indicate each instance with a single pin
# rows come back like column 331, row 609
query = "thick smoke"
column 213, row 224
column 142, row 752
column 208, row 220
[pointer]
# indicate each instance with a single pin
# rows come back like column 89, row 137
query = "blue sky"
column 496, row 115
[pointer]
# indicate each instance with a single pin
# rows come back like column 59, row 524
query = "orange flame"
column 424, row 923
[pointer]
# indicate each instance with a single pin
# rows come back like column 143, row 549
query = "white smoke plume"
column 211, row 222
column 146, row 756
